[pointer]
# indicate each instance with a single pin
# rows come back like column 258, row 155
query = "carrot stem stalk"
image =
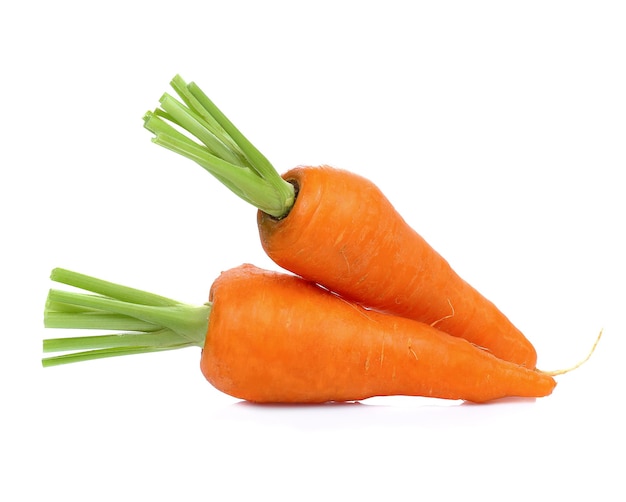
column 90, row 355
column 148, row 322
column 94, row 320
column 211, row 140
column 110, row 289
column 155, row 339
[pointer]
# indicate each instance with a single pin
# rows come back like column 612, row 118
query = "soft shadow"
column 502, row 401
column 374, row 412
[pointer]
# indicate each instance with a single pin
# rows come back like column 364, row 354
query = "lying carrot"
column 337, row 229
column 274, row 337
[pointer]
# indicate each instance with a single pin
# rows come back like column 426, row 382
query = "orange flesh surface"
column 276, row 338
column 344, row 234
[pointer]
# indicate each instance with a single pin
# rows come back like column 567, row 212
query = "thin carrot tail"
column 578, row 364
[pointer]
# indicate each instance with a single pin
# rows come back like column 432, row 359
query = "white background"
column 496, row 128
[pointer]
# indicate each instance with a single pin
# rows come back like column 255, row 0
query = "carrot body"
column 344, row 234
column 275, row 337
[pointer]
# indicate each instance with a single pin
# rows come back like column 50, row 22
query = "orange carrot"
column 343, row 233
column 337, row 229
column 277, row 338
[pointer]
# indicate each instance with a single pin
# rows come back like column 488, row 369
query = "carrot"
column 273, row 337
column 337, row 229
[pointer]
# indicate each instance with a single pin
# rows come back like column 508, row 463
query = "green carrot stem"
column 190, row 121
column 256, row 159
column 197, row 103
column 180, row 318
column 103, row 353
column 160, row 338
column 64, row 308
column 219, row 147
column 95, row 320
column 243, row 181
column 106, row 288
column 148, row 322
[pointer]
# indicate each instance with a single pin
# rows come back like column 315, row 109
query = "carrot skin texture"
column 343, row 233
column 277, row 338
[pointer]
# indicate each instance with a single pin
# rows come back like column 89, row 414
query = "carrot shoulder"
column 337, row 229
column 273, row 337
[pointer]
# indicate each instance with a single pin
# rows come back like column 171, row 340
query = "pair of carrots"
column 370, row 308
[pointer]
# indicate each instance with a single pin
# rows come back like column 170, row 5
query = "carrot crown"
column 143, row 322
column 217, row 145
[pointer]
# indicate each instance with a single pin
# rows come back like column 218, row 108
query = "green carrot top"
column 218, row 147
column 139, row 321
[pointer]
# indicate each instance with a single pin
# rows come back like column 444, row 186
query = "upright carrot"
column 273, row 337
column 337, row 229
